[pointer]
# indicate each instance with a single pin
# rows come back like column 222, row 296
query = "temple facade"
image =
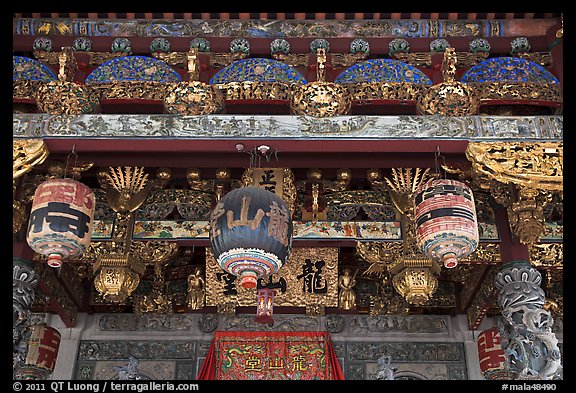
column 360, row 196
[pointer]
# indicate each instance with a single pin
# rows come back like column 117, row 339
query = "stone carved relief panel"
column 182, row 359
column 412, row 360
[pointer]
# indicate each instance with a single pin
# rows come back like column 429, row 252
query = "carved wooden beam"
column 60, row 300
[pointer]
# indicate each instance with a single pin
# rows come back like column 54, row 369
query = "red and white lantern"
column 491, row 355
column 61, row 219
column 42, row 352
column 446, row 223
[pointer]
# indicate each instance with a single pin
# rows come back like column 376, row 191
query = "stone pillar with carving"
column 24, row 280
column 530, row 346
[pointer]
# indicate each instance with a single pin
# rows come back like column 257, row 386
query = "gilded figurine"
column 196, row 290
column 346, row 283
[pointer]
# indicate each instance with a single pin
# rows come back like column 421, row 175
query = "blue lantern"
column 251, row 234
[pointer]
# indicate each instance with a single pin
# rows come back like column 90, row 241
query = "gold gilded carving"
column 526, row 216
column 97, row 58
column 347, row 59
column 216, row 214
column 224, row 59
column 378, row 254
column 252, row 90
column 470, row 59
column 416, row 59
column 484, row 299
column 449, row 65
column 547, row 255
column 517, row 91
column 193, row 98
column 449, row 98
column 26, row 89
column 27, row 153
column 154, row 253
column 366, row 91
column 414, row 275
column 117, row 276
column 157, row 300
column 292, row 59
column 175, row 59
column 534, row 168
column 126, row 190
column 419, row 59
column 145, row 90
column 537, row 165
column 67, row 65
column 66, row 98
column 226, row 308
column 310, row 276
column 46, row 57
column 542, row 58
column 388, row 300
column 315, row 310
column 402, row 187
column 484, row 253
column 320, row 98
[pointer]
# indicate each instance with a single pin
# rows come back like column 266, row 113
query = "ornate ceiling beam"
column 531, row 171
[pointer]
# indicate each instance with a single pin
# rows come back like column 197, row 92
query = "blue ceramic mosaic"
column 508, row 69
column 258, row 70
column 383, row 70
column 134, row 68
column 25, row 68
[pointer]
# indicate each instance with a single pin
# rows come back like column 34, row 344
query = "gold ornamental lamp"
column 320, row 98
column 415, row 278
column 118, row 276
column 118, row 269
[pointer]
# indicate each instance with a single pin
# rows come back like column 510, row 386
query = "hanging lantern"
column 491, row 355
column 446, row 223
column 414, row 278
column 41, row 354
column 61, row 219
column 117, row 276
column 265, row 307
column 251, row 233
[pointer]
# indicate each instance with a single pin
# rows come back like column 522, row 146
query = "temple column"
column 24, row 280
column 530, row 347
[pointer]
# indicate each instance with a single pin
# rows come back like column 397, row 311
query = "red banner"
column 271, row 356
